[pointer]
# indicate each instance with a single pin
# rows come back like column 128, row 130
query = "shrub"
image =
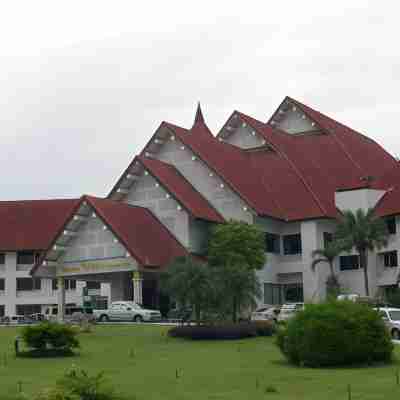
column 50, row 336
column 335, row 333
column 214, row 332
column 264, row 328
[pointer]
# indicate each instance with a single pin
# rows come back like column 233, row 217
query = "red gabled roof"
column 141, row 233
column 31, row 224
column 181, row 189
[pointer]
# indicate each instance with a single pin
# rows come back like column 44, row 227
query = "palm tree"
column 364, row 232
column 328, row 255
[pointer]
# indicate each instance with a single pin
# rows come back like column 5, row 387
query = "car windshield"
column 395, row 315
column 134, row 305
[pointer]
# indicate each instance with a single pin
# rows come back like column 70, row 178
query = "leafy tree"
column 188, row 282
column 363, row 231
column 327, row 255
column 236, row 251
column 237, row 243
column 237, row 287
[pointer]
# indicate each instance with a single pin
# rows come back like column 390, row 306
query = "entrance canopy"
column 102, row 236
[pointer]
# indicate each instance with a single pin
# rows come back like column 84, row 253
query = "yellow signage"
column 96, row 266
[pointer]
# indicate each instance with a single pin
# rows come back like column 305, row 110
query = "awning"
column 390, row 276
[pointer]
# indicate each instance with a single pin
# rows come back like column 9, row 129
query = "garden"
column 142, row 362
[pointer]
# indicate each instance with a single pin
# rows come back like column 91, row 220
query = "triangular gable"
column 239, row 133
column 291, row 118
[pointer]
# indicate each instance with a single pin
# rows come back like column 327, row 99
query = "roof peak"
column 199, row 118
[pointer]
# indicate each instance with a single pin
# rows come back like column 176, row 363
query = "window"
column 25, row 257
column 54, row 284
column 70, row 284
column 349, row 262
column 2, row 284
column 28, row 309
column 390, row 259
column 273, row 293
column 391, row 225
column 292, row 244
column 93, row 285
column 28, row 284
column 2, row 258
column 328, row 237
column 272, row 243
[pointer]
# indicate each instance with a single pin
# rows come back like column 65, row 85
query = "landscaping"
column 142, row 362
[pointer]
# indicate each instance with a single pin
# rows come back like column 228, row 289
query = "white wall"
column 245, row 138
column 146, row 192
column 355, row 199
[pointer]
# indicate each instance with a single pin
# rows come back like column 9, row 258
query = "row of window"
column 353, row 261
column 23, row 258
column 28, row 284
column 291, row 243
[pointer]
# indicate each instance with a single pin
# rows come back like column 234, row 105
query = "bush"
column 50, row 336
column 214, row 332
column 335, row 333
column 264, row 328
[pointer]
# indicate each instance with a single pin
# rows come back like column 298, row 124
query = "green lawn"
column 207, row 370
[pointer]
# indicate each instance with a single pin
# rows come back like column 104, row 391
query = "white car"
column 265, row 314
column 391, row 316
column 127, row 311
column 288, row 310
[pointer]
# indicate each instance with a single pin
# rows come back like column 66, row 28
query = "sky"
column 85, row 84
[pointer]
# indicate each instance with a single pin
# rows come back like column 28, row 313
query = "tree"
column 236, row 250
column 237, row 243
column 327, row 255
column 364, row 232
column 188, row 282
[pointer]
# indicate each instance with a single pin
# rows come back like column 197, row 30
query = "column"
column 61, row 298
column 10, row 284
column 137, row 287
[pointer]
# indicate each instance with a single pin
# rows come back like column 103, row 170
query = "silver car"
column 391, row 316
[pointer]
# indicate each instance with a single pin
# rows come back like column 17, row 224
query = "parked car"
column 182, row 314
column 17, row 319
column 391, row 316
column 127, row 311
column 288, row 310
column 266, row 313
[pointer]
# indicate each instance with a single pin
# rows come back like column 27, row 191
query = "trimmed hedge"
column 50, row 337
column 214, row 332
column 224, row 331
column 335, row 333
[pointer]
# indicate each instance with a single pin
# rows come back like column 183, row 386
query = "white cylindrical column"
column 61, row 299
column 137, row 287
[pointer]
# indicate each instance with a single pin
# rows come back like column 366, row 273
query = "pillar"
column 61, row 298
column 137, row 287
column 10, row 282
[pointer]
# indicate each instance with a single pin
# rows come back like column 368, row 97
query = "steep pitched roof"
column 31, row 224
column 181, row 189
column 141, row 233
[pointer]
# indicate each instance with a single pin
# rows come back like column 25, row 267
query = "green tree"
column 327, row 255
column 364, row 232
column 236, row 250
column 237, row 243
column 188, row 281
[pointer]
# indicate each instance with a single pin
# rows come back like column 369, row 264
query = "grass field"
column 142, row 364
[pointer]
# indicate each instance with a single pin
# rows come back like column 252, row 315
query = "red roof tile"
column 181, row 189
column 31, row 224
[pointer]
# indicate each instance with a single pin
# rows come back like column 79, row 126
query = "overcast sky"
column 84, row 84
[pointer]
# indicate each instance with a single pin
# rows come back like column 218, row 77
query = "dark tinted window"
column 2, row 258
column 93, row 285
column 2, row 284
column 328, row 237
column 292, row 244
column 26, row 284
column 391, row 225
column 390, row 259
column 349, row 262
column 25, row 257
column 272, row 243
column 70, row 284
